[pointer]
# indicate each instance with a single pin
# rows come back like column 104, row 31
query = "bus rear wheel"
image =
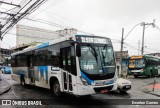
column 56, row 89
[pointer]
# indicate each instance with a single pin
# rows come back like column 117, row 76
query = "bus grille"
column 100, row 89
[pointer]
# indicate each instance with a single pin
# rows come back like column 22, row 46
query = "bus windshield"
column 97, row 59
column 136, row 63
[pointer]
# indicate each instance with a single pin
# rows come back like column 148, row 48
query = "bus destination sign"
column 93, row 40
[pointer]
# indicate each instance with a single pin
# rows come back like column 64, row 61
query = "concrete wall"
column 27, row 34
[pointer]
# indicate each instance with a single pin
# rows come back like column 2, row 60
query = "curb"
column 149, row 92
column 4, row 89
column 154, row 94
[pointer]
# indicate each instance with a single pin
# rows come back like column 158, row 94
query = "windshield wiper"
column 94, row 53
column 104, row 54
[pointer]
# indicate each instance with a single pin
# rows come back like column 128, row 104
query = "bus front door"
column 68, row 78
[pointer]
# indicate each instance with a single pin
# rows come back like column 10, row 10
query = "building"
column 27, row 34
column 4, row 56
column 22, row 46
column 119, row 55
column 122, row 62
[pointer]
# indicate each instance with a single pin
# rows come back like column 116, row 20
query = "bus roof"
column 151, row 56
column 45, row 44
column 140, row 56
column 136, row 57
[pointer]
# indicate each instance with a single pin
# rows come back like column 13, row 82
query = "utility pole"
column 120, row 62
column 122, row 40
column 144, row 24
column 138, row 46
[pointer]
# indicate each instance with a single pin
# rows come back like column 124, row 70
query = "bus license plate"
column 104, row 91
column 128, row 86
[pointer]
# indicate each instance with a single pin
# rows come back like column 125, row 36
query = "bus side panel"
column 55, row 72
column 73, row 85
column 17, row 71
column 41, row 76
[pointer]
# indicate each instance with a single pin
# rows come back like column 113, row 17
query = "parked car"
column 1, row 66
column 123, row 85
column 6, row 70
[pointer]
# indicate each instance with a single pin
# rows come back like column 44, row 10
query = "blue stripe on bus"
column 42, row 45
column 42, row 70
column 86, row 78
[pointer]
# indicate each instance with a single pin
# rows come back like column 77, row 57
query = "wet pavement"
column 153, row 89
column 4, row 85
column 30, row 92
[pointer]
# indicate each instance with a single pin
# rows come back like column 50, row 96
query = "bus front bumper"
column 136, row 72
column 87, row 90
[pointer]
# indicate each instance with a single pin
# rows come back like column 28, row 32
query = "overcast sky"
column 102, row 17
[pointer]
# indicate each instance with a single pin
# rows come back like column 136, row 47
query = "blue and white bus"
column 79, row 65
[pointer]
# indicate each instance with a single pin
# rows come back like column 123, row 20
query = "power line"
column 157, row 27
column 131, row 30
column 55, row 24
column 134, row 48
column 27, row 36
column 10, row 4
column 144, row 24
column 48, row 23
column 122, row 40
column 7, row 25
column 65, row 19
column 53, row 3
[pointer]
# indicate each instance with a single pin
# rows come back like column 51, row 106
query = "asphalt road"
column 69, row 101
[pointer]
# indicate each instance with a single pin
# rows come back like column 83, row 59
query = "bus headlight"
column 142, row 70
column 84, row 81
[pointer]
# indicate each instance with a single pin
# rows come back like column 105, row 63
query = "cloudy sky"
column 101, row 17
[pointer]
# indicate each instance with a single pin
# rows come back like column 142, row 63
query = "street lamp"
column 122, row 40
column 144, row 24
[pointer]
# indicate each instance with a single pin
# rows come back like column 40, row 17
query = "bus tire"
column 56, row 88
column 135, row 76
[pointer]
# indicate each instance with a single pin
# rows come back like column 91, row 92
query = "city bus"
column 145, row 65
column 78, row 65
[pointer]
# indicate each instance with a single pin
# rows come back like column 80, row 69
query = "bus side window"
column 73, row 61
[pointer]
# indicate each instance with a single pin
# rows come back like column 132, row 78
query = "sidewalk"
column 153, row 89
column 4, row 85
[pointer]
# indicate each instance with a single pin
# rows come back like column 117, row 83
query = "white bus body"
column 57, row 65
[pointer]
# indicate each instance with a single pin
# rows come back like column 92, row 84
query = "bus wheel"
column 135, row 76
column 56, row 89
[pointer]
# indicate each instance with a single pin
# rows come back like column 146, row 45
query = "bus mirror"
column 78, row 50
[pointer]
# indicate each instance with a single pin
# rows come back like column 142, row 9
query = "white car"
column 123, row 85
